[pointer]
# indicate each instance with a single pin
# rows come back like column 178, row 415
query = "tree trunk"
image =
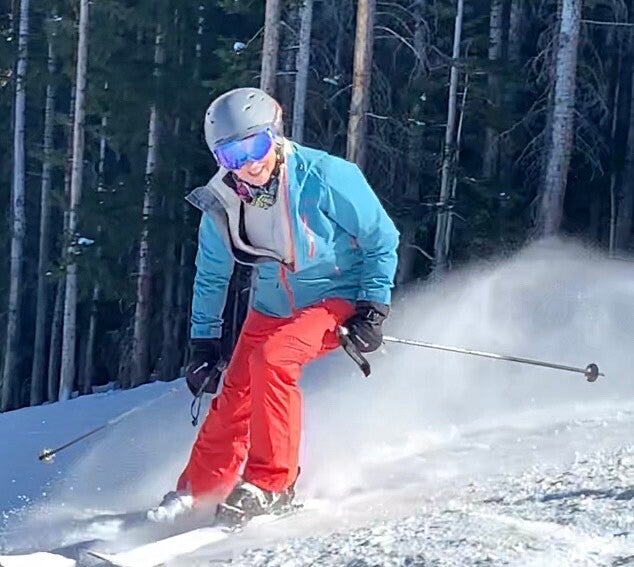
column 614, row 173
column 184, row 286
column 361, row 77
column 89, row 365
column 140, row 369
column 11, row 376
column 199, row 41
column 516, row 31
column 270, row 46
column 346, row 9
column 141, row 338
column 184, row 289
column 625, row 212
column 562, row 121
column 67, row 373
column 421, row 37
column 182, row 300
column 407, row 250
column 167, row 361
column 303, row 65
column 456, row 159
column 441, row 242
column 39, row 349
column 332, row 121
column 126, row 359
column 594, row 217
column 515, row 40
column 415, row 138
column 287, row 55
column 55, row 347
column 496, row 44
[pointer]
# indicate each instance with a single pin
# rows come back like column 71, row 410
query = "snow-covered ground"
column 436, row 459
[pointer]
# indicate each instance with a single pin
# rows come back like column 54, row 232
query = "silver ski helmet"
column 240, row 113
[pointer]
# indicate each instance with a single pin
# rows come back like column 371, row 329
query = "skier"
column 324, row 252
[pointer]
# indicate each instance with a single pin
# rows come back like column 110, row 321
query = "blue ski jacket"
column 344, row 245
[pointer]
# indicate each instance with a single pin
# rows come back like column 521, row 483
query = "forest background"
column 482, row 126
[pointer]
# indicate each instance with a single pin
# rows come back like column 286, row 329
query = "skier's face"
column 258, row 172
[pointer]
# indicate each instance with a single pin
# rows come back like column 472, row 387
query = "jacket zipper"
column 284, row 267
column 287, row 287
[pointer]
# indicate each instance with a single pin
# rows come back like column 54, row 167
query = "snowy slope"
column 436, row 458
column 576, row 512
column 103, row 475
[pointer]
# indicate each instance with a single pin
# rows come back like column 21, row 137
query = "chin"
column 260, row 179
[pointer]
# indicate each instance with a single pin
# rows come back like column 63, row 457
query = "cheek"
column 271, row 160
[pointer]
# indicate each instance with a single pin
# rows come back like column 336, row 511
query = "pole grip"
column 353, row 352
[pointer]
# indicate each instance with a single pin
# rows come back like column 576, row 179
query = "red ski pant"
column 257, row 415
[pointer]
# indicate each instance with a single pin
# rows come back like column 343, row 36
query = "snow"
column 41, row 559
column 437, row 458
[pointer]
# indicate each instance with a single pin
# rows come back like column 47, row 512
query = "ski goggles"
column 233, row 155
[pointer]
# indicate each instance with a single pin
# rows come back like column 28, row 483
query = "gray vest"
column 267, row 230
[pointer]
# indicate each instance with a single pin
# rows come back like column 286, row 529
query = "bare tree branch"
column 401, row 38
column 600, row 23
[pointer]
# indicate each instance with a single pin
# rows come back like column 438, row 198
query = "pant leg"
column 222, row 442
column 275, row 366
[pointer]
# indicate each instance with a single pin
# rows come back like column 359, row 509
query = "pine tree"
column 67, row 372
column 11, row 378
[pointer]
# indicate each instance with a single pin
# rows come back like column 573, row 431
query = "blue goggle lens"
column 233, row 155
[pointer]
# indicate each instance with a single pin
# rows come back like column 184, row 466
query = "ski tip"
column 109, row 559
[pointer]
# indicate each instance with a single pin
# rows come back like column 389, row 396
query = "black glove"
column 364, row 327
column 204, row 355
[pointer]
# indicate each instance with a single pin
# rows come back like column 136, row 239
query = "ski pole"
column 591, row 372
column 47, row 455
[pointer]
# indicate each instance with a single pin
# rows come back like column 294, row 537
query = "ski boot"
column 173, row 505
column 247, row 501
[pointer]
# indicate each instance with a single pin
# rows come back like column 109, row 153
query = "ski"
column 39, row 559
column 159, row 552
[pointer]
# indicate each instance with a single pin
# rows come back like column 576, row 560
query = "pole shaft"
column 47, row 454
column 485, row 354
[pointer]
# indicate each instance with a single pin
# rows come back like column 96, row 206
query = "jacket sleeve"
column 214, row 266
column 353, row 205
